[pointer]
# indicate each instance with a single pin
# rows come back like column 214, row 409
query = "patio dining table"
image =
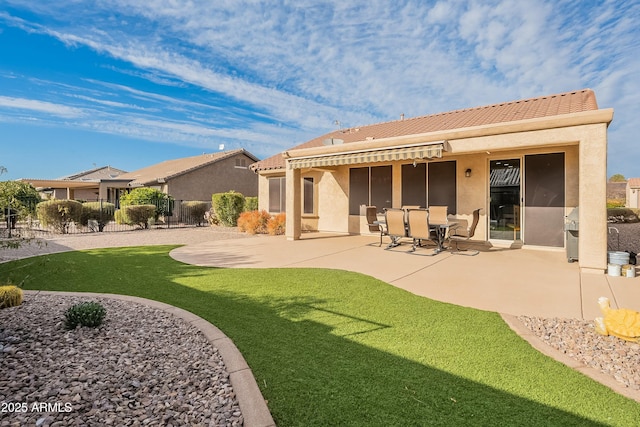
column 441, row 234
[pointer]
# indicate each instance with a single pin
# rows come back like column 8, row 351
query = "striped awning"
column 415, row 152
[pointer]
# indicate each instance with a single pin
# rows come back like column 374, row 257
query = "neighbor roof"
column 96, row 174
column 545, row 106
column 633, row 182
column 173, row 168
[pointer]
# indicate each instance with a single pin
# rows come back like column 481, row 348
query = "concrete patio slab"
column 529, row 282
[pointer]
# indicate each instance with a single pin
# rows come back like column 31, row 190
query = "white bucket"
column 617, row 257
column 614, row 269
column 628, row 270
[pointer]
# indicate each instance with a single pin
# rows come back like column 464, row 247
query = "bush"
column 88, row 314
column 250, row 204
column 228, row 207
column 211, row 218
column 194, row 211
column 254, row 222
column 615, row 203
column 10, row 296
column 22, row 197
column 621, row 215
column 101, row 212
column 276, row 225
column 137, row 215
column 162, row 203
column 59, row 214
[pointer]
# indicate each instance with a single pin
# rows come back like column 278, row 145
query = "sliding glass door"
column 504, row 202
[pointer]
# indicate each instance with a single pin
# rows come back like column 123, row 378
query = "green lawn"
column 335, row 348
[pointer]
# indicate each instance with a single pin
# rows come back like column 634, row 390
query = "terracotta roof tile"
column 633, row 182
column 545, row 106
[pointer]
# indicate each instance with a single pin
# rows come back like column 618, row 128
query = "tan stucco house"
column 198, row 177
column 528, row 162
column 187, row 178
column 91, row 185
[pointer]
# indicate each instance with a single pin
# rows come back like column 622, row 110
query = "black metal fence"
column 22, row 220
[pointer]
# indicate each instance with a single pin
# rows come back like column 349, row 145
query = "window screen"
column 308, row 196
column 381, row 187
column 414, row 185
column 358, row 189
column 370, row 186
column 442, row 185
column 277, row 192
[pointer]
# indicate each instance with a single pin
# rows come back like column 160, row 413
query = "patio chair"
column 406, row 208
column 419, row 230
column 438, row 214
column 461, row 233
column 395, row 226
column 372, row 221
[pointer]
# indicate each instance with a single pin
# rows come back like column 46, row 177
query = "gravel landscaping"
column 141, row 367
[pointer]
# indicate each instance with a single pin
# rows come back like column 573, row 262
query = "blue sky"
column 128, row 83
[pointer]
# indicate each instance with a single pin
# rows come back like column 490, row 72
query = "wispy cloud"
column 40, row 107
column 281, row 74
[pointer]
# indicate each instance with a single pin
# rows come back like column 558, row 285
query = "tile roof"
column 633, row 182
column 545, row 106
column 95, row 174
column 172, row 168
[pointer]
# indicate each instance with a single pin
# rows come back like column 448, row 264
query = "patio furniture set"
column 433, row 224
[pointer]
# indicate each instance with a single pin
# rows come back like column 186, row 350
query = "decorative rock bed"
column 141, row 367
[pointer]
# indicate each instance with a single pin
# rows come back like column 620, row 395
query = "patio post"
column 592, row 245
column 294, row 203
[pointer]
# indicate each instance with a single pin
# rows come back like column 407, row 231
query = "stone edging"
column 547, row 350
column 252, row 404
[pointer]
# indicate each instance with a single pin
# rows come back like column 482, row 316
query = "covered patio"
column 529, row 282
column 527, row 164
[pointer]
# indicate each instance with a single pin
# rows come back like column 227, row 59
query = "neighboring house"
column 633, row 193
column 198, row 177
column 92, row 185
column 530, row 162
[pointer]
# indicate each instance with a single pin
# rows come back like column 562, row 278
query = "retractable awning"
column 413, row 152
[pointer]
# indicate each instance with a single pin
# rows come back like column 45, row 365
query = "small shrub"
column 622, row 215
column 136, row 215
column 276, row 225
column 250, row 204
column 228, row 207
column 119, row 217
column 59, row 214
column 615, row 203
column 162, row 203
column 10, row 296
column 194, row 212
column 101, row 212
column 211, row 217
column 88, row 314
column 254, row 222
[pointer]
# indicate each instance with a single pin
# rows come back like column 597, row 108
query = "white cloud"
column 41, row 107
column 306, row 64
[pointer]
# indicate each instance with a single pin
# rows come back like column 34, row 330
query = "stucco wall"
column 633, row 197
column 219, row 177
column 332, row 189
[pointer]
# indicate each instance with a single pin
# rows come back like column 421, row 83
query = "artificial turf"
column 336, row 348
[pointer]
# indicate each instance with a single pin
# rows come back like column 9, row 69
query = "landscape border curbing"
column 252, row 404
column 544, row 348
